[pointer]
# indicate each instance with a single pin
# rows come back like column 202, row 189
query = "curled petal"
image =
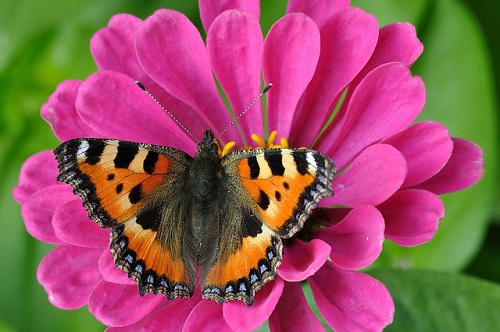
column 412, row 216
column 351, row 301
column 210, row 9
column 426, row 146
column 72, row 225
column 370, row 179
column 112, row 102
column 238, row 67
column 397, row 42
column 206, row 316
column 168, row 37
column 38, row 171
column 347, row 42
column 113, row 47
column 465, row 168
column 168, row 313
column 110, row 272
column 303, row 259
column 291, row 52
column 385, row 102
column 240, row 317
column 293, row 312
column 356, row 241
column 39, row 210
column 120, row 305
column 69, row 274
column 60, row 112
column 320, row 11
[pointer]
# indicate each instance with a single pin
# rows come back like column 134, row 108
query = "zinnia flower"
column 320, row 57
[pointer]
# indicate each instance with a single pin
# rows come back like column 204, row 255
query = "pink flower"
column 317, row 56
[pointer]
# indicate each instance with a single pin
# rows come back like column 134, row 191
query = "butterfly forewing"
column 122, row 186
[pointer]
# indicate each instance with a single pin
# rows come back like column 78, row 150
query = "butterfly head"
column 208, row 146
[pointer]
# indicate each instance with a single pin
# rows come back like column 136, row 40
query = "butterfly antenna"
column 140, row 85
column 266, row 88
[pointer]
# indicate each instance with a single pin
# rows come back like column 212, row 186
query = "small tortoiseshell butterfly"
column 172, row 215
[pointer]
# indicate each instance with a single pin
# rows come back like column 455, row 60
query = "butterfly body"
column 172, row 216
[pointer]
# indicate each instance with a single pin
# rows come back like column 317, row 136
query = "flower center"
column 260, row 141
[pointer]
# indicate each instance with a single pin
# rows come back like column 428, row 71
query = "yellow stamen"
column 257, row 139
column 261, row 143
column 227, row 148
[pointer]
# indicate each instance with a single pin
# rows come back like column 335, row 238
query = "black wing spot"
column 253, row 164
column 263, row 200
column 110, row 177
column 275, row 162
column 277, row 194
column 149, row 218
column 126, row 153
column 119, row 188
column 286, row 185
column 150, row 162
column 135, row 195
column 299, row 157
column 94, row 151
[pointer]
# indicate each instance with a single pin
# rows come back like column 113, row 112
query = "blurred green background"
column 449, row 284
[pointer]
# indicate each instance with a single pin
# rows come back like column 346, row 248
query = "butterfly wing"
column 270, row 194
column 133, row 188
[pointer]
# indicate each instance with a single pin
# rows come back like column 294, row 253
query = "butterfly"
column 178, row 221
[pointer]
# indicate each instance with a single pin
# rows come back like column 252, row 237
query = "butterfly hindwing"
column 272, row 192
column 122, row 186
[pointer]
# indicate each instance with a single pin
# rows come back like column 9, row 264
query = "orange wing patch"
column 138, row 252
column 246, row 270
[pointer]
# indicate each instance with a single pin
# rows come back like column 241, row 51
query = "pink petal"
column 373, row 177
column 347, row 42
column 110, row 272
column 37, row 172
column 168, row 313
column 238, row 67
column 397, row 42
column 465, row 168
column 60, row 112
column 69, row 274
column 351, row 301
column 39, row 210
column 72, row 225
column 426, row 146
column 113, row 47
column 113, row 103
column 291, row 52
column 120, row 305
column 293, row 312
column 356, row 241
column 210, row 9
column 240, row 317
column 303, row 259
column 412, row 216
column 206, row 316
column 385, row 102
column 172, row 52
column 320, row 11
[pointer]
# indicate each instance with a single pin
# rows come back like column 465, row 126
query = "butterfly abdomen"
column 204, row 189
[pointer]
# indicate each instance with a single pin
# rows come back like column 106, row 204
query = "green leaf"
column 439, row 301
